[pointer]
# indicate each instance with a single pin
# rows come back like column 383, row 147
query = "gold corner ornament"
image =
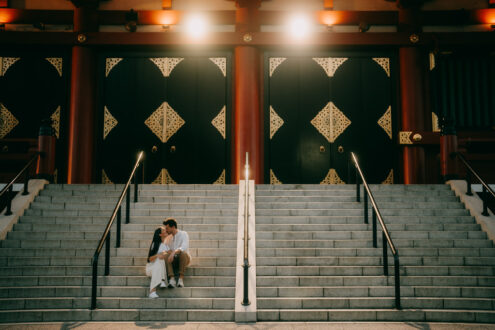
column 221, row 178
column 405, row 137
column 110, row 63
column 164, row 122
column 7, row 121
column 221, row 62
column 274, row 63
column 384, row 62
column 385, row 122
column 332, row 178
column 219, row 122
column 330, row 64
column 330, row 122
column 273, row 178
column 6, row 63
column 109, row 122
column 434, row 123
column 275, row 122
column 55, row 117
column 57, row 64
column 166, row 64
column 104, row 178
column 164, row 178
column 390, row 178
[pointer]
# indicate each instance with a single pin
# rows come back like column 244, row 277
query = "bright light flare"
column 299, row 27
column 196, row 26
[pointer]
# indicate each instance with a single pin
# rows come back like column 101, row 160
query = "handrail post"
column 107, row 255
column 484, row 197
column 26, row 180
column 9, row 201
column 385, row 255
column 245, row 300
column 358, row 193
column 468, row 181
column 374, row 227
column 397, row 281
column 117, row 239
column 127, row 206
column 135, row 188
column 365, row 199
column 94, row 281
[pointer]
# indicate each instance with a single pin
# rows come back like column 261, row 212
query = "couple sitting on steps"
column 169, row 248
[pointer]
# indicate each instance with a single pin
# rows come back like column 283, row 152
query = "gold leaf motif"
column 164, row 178
column 390, row 178
column 57, row 64
column 104, row 178
column 166, row 64
column 221, row 178
column 109, row 123
column 110, row 63
column 275, row 122
column 434, row 122
column 55, row 117
column 275, row 62
column 273, row 178
column 55, row 176
column 219, row 122
column 332, row 178
column 330, row 64
column 384, row 62
column 7, row 121
column 404, row 137
column 221, row 62
column 385, row 122
column 6, row 63
column 164, row 122
column 330, row 122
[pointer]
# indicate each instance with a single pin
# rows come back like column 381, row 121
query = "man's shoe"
column 180, row 284
column 153, row 295
column 163, row 284
column 171, row 283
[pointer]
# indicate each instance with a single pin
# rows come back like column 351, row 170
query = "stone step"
column 142, row 199
column 357, row 212
column 260, row 193
column 395, row 187
column 134, row 212
column 348, row 199
column 144, row 187
column 392, row 227
column 100, row 220
column 340, row 205
column 71, row 205
column 359, row 219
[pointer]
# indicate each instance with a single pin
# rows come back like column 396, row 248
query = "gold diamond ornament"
column 330, row 122
column 109, row 123
column 275, row 122
column 7, row 121
column 55, row 117
column 164, row 122
column 385, row 122
column 219, row 122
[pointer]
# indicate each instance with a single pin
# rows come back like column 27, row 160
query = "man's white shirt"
column 179, row 241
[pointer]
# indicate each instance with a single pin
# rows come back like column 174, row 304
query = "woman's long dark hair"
column 155, row 244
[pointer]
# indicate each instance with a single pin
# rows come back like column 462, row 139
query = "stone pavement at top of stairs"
column 259, row 325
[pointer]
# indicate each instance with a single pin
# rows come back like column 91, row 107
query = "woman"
column 156, row 261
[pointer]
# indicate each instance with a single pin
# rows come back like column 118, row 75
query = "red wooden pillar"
column 247, row 104
column 412, row 75
column 82, row 102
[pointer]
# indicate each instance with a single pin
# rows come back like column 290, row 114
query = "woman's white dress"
column 157, row 269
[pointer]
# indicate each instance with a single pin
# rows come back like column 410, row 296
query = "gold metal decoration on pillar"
column 273, row 178
column 110, row 63
column 55, row 117
column 332, row 178
column 104, row 178
column 219, row 122
column 390, row 178
column 404, row 137
column 275, row 62
column 384, row 62
column 109, row 123
column 164, row 178
column 221, row 62
column 275, row 122
column 164, row 122
column 221, row 178
column 6, row 63
column 330, row 64
column 434, row 123
column 57, row 64
column 7, row 121
column 385, row 122
column 166, row 64
column 330, row 122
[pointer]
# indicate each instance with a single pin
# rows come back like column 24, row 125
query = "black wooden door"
column 321, row 108
column 173, row 108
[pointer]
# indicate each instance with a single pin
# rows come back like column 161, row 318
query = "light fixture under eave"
column 299, row 27
column 196, row 26
column 131, row 19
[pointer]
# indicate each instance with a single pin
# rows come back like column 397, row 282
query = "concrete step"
column 352, row 198
column 359, row 219
column 101, row 220
column 359, row 212
column 368, row 227
column 260, row 205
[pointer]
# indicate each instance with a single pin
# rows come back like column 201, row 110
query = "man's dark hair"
column 170, row 222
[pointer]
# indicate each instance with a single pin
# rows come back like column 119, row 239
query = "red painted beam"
column 4, row 3
column 26, row 16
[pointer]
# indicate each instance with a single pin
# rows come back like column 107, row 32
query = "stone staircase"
column 315, row 260
column 45, row 272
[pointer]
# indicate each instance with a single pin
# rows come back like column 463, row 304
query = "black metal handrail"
column 245, row 300
column 486, row 187
column 9, row 187
column 105, row 238
column 385, row 234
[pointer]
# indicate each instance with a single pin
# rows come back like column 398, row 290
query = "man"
column 178, row 242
